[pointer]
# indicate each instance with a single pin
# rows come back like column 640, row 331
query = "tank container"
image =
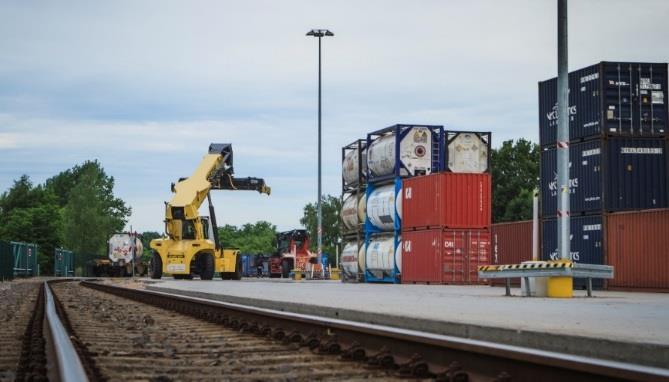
column 403, row 151
column 384, row 207
column 120, row 248
column 349, row 260
column 467, row 151
column 383, row 258
column 354, row 165
column 353, row 211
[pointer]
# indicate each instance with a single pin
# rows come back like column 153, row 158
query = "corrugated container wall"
column 6, row 261
column 449, row 200
column 586, row 243
column 511, row 244
column 63, row 263
column 444, row 256
column 609, row 175
column 638, row 248
column 608, row 99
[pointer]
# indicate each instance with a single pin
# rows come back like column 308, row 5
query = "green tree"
column 259, row 237
column 92, row 212
column 515, row 173
column 146, row 238
column 331, row 207
column 31, row 214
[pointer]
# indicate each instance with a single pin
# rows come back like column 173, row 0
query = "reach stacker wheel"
column 156, row 266
column 206, row 266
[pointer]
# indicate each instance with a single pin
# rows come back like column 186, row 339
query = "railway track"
column 127, row 334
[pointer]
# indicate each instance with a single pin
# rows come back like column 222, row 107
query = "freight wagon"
column 63, row 263
column 25, row 259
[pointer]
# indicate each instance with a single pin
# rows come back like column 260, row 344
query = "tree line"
column 75, row 209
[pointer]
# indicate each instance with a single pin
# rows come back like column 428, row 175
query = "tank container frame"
column 449, row 135
column 400, row 131
column 394, row 276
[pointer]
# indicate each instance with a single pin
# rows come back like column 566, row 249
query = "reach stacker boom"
column 192, row 245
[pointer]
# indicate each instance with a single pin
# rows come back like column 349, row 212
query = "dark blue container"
column 610, row 175
column 246, row 269
column 586, row 243
column 608, row 99
column 402, row 132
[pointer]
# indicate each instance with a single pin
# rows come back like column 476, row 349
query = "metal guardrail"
column 546, row 269
column 70, row 368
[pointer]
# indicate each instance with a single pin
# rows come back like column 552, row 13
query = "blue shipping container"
column 608, row 175
column 586, row 243
column 608, row 99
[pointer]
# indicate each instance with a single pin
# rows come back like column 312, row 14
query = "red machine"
column 292, row 253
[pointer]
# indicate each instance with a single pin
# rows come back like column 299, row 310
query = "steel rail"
column 411, row 352
column 70, row 367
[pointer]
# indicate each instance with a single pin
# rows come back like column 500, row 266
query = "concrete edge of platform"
column 641, row 353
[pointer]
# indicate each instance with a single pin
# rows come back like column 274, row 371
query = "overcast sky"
column 145, row 86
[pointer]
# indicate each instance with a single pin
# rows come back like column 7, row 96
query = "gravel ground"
column 17, row 301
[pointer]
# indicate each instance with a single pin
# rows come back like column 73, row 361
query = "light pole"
column 320, row 33
column 564, row 243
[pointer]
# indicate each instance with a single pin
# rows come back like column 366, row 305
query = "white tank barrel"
column 467, row 152
column 383, row 255
column 353, row 211
column 415, row 153
column 350, row 166
column 382, row 205
column 349, row 258
column 361, row 258
column 120, row 248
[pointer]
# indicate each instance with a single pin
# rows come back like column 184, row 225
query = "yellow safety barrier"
column 297, row 274
column 538, row 265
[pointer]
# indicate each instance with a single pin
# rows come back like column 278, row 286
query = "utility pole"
column 320, row 33
column 562, row 144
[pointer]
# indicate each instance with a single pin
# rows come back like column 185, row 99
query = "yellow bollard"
column 334, row 274
column 297, row 274
column 561, row 287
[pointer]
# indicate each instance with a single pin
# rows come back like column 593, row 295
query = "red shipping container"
column 637, row 245
column 511, row 244
column 447, row 200
column 444, row 256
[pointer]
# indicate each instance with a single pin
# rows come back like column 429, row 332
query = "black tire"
column 285, row 269
column 182, row 277
column 206, row 266
column 238, row 269
column 156, row 267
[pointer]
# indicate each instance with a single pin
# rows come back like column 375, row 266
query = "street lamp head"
column 319, row 33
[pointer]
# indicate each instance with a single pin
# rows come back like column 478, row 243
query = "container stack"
column 353, row 201
column 618, row 160
column 394, row 155
column 447, row 215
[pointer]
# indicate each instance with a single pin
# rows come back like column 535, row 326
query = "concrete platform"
column 622, row 326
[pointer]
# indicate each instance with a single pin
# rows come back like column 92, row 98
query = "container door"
column 637, row 177
column 454, row 247
column 421, row 256
column 478, row 253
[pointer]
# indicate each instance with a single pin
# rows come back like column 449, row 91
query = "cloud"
column 145, row 87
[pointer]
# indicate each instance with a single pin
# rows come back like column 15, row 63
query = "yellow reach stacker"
column 192, row 246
